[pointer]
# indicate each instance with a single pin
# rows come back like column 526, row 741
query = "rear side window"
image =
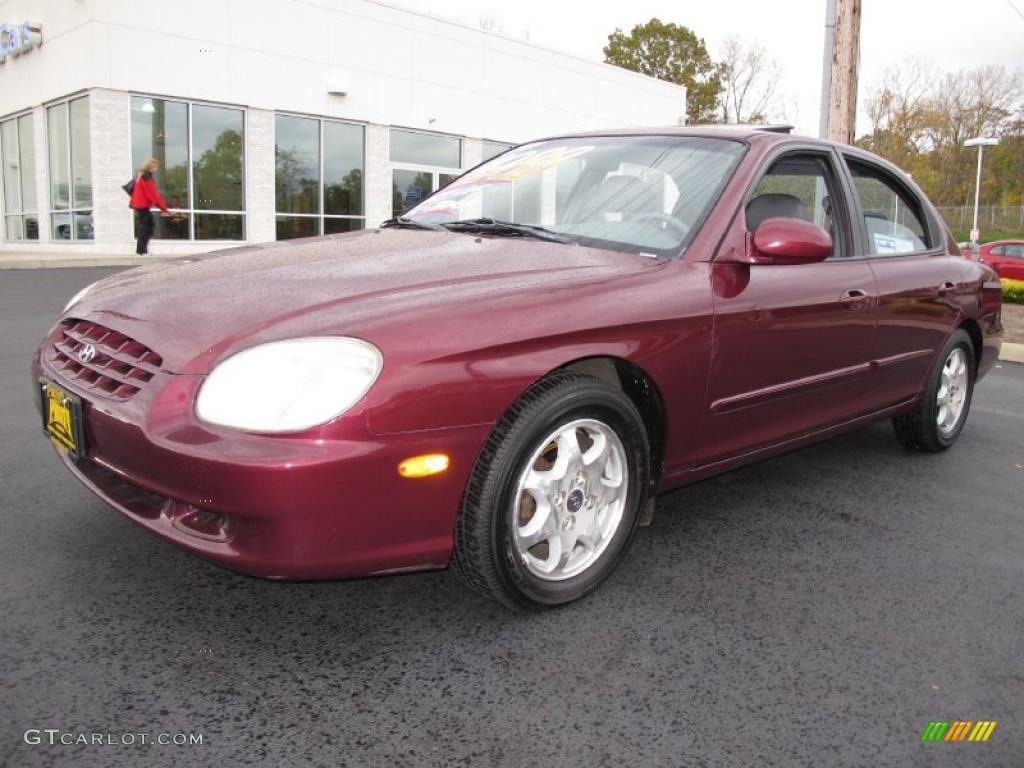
column 1013, row 251
column 893, row 218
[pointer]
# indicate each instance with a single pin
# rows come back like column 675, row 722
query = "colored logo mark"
column 959, row 730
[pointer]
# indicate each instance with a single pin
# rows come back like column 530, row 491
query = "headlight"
column 287, row 386
column 78, row 296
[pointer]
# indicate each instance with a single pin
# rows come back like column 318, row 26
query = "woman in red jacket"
column 144, row 196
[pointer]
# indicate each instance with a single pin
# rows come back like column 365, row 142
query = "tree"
column 749, row 77
column 673, row 53
column 900, row 109
column 920, row 122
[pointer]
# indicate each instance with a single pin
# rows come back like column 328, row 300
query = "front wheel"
column 936, row 421
column 555, row 495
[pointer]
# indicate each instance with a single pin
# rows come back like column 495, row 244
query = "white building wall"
column 259, row 175
column 378, row 174
column 42, row 173
column 396, row 66
column 359, row 60
column 111, row 146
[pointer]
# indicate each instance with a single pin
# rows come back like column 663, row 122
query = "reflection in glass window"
column 70, row 169
column 203, row 183
column 217, row 160
column 19, row 179
column 81, row 154
column 219, row 226
column 297, row 164
column 318, row 176
column 409, row 189
column 418, row 148
column 60, row 169
column 289, row 227
column 343, row 169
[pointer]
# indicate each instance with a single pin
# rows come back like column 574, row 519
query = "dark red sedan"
column 503, row 379
column 1006, row 257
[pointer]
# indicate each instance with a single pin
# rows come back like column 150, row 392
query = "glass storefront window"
column 60, row 151
column 297, row 164
column 318, row 176
column 12, row 167
column 343, row 169
column 81, row 154
column 422, row 164
column 289, row 227
column 409, row 189
column 19, row 179
column 70, row 169
column 217, row 159
column 201, row 150
column 425, row 149
column 160, row 131
column 334, row 225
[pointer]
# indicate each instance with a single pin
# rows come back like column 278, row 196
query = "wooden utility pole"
column 845, row 64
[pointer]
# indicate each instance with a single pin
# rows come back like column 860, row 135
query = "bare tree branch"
column 749, row 79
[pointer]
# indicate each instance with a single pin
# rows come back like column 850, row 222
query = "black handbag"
column 129, row 187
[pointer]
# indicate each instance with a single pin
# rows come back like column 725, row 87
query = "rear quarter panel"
column 982, row 303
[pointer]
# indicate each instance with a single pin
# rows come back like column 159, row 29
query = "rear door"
column 919, row 283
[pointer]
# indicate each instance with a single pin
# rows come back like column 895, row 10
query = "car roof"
column 765, row 133
column 1004, row 242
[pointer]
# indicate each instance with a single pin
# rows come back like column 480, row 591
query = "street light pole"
column 980, row 142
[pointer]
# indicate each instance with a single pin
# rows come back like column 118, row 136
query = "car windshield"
column 642, row 194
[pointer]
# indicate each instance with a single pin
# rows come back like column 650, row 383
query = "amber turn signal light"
column 424, row 466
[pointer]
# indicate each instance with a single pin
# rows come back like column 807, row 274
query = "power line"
column 1015, row 8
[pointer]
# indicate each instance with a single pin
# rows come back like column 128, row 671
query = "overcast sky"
column 948, row 34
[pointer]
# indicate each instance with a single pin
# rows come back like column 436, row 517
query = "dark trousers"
column 144, row 225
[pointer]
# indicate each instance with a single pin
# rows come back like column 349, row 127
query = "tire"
column 526, row 484
column 920, row 429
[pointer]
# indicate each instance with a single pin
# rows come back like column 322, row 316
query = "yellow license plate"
column 62, row 419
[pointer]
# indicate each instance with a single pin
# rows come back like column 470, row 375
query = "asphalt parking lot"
column 817, row 609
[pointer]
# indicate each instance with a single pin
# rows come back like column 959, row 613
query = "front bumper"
column 326, row 504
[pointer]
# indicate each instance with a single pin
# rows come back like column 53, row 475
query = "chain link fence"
column 989, row 216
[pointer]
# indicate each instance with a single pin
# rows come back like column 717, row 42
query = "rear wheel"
column 936, row 421
column 555, row 495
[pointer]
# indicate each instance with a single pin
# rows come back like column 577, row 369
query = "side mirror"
column 790, row 241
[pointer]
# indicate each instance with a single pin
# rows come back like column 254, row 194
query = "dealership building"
column 271, row 120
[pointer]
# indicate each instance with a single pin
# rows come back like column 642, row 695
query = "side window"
column 800, row 186
column 893, row 218
column 1014, row 251
column 999, row 250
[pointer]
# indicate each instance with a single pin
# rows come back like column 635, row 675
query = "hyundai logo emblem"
column 86, row 353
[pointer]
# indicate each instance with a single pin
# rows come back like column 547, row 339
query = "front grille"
column 120, row 367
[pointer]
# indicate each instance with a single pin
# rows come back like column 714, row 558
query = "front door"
column 792, row 343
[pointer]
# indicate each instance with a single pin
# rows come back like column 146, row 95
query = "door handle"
column 855, row 300
column 947, row 288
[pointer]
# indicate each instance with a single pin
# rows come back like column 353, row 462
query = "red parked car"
column 1006, row 257
column 505, row 377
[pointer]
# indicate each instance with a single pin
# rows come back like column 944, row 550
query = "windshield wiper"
column 405, row 221
column 492, row 226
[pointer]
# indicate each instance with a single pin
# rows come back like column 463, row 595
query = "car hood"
column 195, row 311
